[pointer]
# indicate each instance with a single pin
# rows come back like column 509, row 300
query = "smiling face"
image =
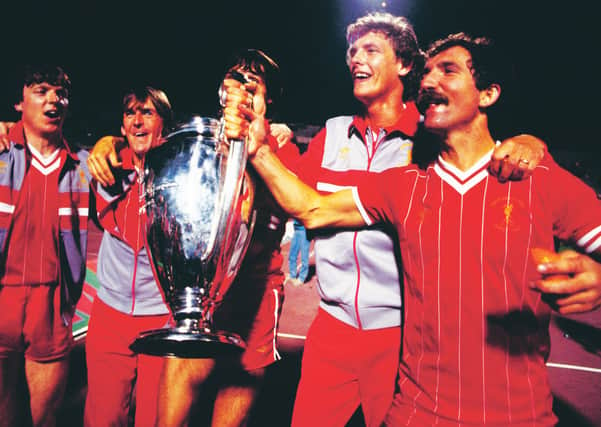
column 142, row 126
column 449, row 98
column 43, row 109
column 375, row 69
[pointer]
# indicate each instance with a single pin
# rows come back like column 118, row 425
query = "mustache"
column 427, row 97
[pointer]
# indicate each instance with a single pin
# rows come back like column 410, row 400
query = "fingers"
column 573, row 279
column 237, row 109
column 569, row 296
column 101, row 171
column 281, row 132
column 517, row 157
column 102, row 159
column 237, row 120
column 579, row 302
column 4, row 143
column 565, row 262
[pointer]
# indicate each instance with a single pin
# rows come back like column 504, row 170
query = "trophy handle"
column 232, row 184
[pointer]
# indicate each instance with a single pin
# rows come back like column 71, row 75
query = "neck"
column 464, row 147
column 45, row 145
column 383, row 113
column 138, row 160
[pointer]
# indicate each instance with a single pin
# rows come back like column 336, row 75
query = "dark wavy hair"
column 488, row 64
column 45, row 73
column 258, row 62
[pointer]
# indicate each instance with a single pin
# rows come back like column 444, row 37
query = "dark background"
column 183, row 47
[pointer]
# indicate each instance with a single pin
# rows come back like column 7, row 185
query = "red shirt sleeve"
column 576, row 208
column 374, row 200
column 289, row 155
column 309, row 164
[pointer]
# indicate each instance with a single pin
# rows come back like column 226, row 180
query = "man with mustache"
column 44, row 189
column 475, row 336
column 352, row 348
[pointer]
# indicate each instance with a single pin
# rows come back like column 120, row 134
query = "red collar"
column 127, row 158
column 17, row 135
column 406, row 124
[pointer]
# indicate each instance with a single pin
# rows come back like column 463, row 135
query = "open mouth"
column 52, row 114
column 429, row 98
column 360, row 75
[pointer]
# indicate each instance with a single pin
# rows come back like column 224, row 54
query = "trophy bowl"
column 199, row 207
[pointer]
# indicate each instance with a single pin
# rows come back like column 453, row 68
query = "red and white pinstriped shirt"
column 32, row 258
column 476, row 336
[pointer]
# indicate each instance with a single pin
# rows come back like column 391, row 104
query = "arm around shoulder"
column 302, row 201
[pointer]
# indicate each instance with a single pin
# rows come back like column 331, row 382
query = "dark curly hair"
column 258, row 62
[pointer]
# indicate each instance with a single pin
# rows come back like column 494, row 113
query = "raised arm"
column 297, row 198
column 301, row 201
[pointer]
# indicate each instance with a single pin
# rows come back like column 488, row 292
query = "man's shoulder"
column 339, row 120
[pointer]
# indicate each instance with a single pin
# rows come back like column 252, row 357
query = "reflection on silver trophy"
column 199, row 204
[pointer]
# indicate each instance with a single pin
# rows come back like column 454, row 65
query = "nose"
column 429, row 80
column 356, row 56
column 138, row 118
column 53, row 97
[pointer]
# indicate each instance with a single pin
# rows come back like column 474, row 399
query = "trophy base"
column 188, row 343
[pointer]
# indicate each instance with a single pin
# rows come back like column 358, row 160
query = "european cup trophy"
column 199, row 205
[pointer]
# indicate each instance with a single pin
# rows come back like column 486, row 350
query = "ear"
column 19, row 107
column 402, row 70
column 122, row 131
column 490, row 95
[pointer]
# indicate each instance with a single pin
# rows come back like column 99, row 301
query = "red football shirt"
column 32, row 253
column 476, row 336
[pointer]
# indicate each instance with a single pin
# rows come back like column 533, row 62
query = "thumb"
column 114, row 159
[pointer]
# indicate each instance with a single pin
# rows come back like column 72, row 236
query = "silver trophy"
column 199, row 204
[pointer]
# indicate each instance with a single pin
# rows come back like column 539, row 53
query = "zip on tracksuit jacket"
column 357, row 271
column 125, row 273
column 73, row 193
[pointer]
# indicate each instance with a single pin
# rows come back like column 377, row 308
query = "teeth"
column 361, row 75
column 51, row 114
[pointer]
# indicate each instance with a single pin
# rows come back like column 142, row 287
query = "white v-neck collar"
column 463, row 181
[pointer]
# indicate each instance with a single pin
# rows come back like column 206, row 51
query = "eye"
column 450, row 69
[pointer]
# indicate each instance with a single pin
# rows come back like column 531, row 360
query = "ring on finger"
column 524, row 161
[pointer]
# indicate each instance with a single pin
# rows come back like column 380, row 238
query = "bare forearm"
column 293, row 195
column 302, row 201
